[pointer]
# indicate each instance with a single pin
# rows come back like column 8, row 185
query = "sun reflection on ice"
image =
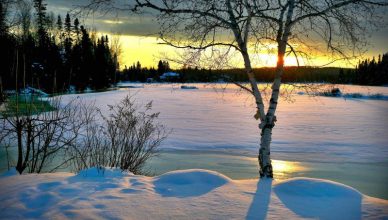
column 283, row 169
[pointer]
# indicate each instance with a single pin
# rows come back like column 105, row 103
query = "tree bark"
column 265, row 153
column 270, row 118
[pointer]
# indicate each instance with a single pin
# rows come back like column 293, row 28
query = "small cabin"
column 169, row 76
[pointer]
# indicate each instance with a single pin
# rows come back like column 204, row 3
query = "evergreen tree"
column 3, row 25
column 76, row 28
column 370, row 72
column 42, row 61
column 40, row 8
column 68, row 39
column 59, row 24
column 86, row 70
column 163, row 66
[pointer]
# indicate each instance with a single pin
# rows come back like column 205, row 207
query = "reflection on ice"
column 284, row 169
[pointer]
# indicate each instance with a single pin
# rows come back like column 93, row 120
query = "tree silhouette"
column 221, row 27
column 52, row 57
column 372, row 72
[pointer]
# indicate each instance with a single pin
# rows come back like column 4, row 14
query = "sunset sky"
column 139, row 40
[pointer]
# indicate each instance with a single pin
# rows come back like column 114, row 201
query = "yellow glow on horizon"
column 148, row 51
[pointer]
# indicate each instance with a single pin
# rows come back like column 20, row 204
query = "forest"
column 45, row 51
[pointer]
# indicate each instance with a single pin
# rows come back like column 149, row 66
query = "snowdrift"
column 186, row 194
column 323, row 199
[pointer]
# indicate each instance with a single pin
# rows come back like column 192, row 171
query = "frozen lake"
column 336, row 138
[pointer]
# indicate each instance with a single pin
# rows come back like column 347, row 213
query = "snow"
column 129, row 85
column 184, row 194
column 170, row 74
column 101, row 172
column 180, row 183
column 336, row 138
column 33, row 91
column 11, row 172
column 320, row 198
column 213, row 128
column 220, row 118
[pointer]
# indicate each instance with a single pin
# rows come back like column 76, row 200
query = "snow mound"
column 102, row 172
column 318, row 198
column 188, row 183
column 189, row 194
column 311, row 187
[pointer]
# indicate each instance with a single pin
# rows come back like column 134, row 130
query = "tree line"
column 136, row 72
column 372, row 72
column 367, row 72
column 48, row 52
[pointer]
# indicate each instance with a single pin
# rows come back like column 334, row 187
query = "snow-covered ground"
column 188, row 194
column 313, row 129
column 341, row 139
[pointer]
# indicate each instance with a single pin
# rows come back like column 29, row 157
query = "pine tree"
column 3, row 25
column 59, row 26
column 87, row 56
column 370, row 72
column 40, row 8
column 76, row 28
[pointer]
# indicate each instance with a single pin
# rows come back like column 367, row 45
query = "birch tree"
column 296, row 27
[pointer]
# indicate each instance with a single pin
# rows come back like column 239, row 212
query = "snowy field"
column 312, row 129
column 189, row 194
column 336, row 138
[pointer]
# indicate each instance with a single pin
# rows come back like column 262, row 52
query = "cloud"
column 112, row 21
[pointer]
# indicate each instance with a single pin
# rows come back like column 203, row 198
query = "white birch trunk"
column 270, row 118
column 242, row 39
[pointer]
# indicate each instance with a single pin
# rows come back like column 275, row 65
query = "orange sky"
column 148, row 51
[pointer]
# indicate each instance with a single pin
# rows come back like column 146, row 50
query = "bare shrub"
column 48, row 135
column 126, row 138
column 42, row 131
